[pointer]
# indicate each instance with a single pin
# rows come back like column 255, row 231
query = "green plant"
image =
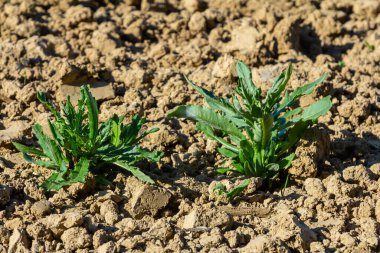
column 369, row 46
column 80, row 144
column 257, row 135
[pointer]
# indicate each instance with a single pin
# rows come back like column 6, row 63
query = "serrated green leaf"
column 300, row 91
column 294, row 135
column 319, row 108
column 93, row 114
column 131, row 131
column 210, row 118
column 28, row 150
column 238, row 189
column 244, row 74
column 207, row 130
column 223, row 170
column 274, row 93
column 80, row 171
column 42, row 163
column 213, row 101
column 292, row 113
column 49, row 147
column 57, row 179
column 219, row 189
column 227, row 153
column 135, row 172
column 42, row 98
column 266, row 126
column 286, row 162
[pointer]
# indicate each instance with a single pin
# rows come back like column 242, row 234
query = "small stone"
column 14, row 132
column 109, row 210
column 4, row 235
column 103, row 42
column 264, row 243
column 100, row 90
column 191, row 5
column 76, row 238
column 377, row 211
column 366, row 8
column 18, row 242
column 244, row 38
column 224, row 67
column 156, row 5
column 39, row 231
column 197, row 22
column 314, row 187
column 158, row 51
column 287, row 35
column 347, row 240
column 375, row 169
column 148, row 200
column 126, row 226
column 14, row 223
column 100, row 237
column 41, row 208
column 9, row 88
column 207, row 218
column 5, row 194
column 58, row 223
column 212, row 239
column 162, row 230
column 109, row 247
column 77, row 14
column 357, row 174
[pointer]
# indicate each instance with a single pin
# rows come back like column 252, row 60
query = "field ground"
column 134, row 54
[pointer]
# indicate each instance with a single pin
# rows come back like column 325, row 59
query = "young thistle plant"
column 81, row 145
column 258, row 135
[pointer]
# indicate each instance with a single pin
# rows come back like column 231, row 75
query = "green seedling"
column 257, row 134
column 369, row 46
column 80, row 145
column 341, row 64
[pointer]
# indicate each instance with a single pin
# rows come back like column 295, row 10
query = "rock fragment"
column 148, row 200
column 162, row 230
column 366, row 8
column 39, row 231
column 197, row 22
column 18, row 242
column 291, row 230
column 244, row 38
column 264, row 243
column 76, row 238
column 77, row 14
column 41, row 208
column 109, row 247
column 103, row 42
column 99, row 89
column 287, row 35
column 14, row 132
column 207, row 218
column 314, row 187
column 191, row 5
column 4, row 235
column 5, row 194
column 311, row 151
column 58, row 223
column 109, row 211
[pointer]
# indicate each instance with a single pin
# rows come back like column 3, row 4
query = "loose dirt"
column 135, row 52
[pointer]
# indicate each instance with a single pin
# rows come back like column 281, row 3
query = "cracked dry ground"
column 134, row 52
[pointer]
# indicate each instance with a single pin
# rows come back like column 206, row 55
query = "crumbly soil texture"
column 134, row 54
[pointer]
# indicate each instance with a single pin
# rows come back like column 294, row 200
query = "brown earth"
column 134, row 52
